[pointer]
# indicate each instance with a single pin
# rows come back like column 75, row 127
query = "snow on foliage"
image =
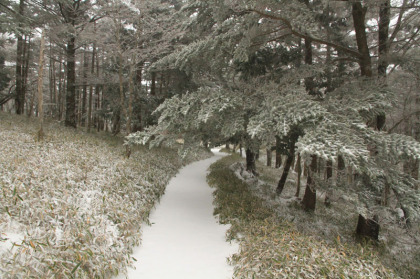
column 72, row 203
column 271, row 247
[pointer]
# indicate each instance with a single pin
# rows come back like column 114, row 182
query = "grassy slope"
column 75, row 201
column 272, row 247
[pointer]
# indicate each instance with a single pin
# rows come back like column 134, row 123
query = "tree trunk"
column 329, row 167
column 25, row 70
column 368, row 227
column 340, row 170
column 293, row 136
column 153, row 86
column 299, row 174
column 282, row 181
column 250, row 161
column 383, row 45
column 60, row 90
column 71, row 80
column 278, row 153
column 90, row 104
column 51, row 77
column 84, row 88
column 383, row 51
column 130, row 106
column 20, row 93
column 358, row 13
column 269, row 157
column 40, row 87
column 309, row 198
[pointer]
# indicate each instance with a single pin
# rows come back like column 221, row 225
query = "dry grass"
column 272, row 247
column 72, row 205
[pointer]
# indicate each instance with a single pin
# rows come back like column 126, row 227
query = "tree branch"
column 402, row 120
column 306, row 36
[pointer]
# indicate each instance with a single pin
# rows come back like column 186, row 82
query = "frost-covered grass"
column 72, row 205
column 272, row 247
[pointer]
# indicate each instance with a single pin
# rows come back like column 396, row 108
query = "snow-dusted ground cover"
column 72, row 205
column 270, row 245
column 185, row 241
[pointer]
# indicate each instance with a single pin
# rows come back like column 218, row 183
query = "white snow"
column 185, row 240
column 10, row 236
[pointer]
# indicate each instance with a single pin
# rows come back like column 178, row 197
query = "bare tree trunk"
column 327, row 200
column 40, row 87
column 20, row 94
column 383, row 50
column 51, row 81
column 71, row 80
column 383, row 44
column 309, row 199
column 84, row 88
column 368, row 227
column 60, row 90
column 250, row 161
column 278, row 153
column 92, row 71
column 299, row 174
column 153, row 86
column 359, row 13
column 269, row 153
column 130, row 106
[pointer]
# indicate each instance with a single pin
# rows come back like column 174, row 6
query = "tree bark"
column 278, row 153
column 71, row 80
column 358, row 14
column 283, row 179
column 383, row 50
column 299, row 174
column 383, row 45
column 153, row 86
column 329, row 167
column 309, row 198
column 40, row 87
column 269, row 157
column 368, row 227
column 84, row 88
column 90, row 104
column 340, row 170
column 20, row 93
column 250, row 161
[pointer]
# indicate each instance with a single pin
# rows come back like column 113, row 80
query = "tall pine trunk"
column 278, row 153
column 309, row 198
column 71, row 84
column 359, row 13
column 365, row 227
column 383, row 50
column 20, row 93
column 84, row 88
column 89, row 108
column 40, row 87
column 269, row 156
column 299, row 174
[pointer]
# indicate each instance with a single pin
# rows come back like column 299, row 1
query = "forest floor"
column 185, row 241
column 280, row 240
column 72, row 205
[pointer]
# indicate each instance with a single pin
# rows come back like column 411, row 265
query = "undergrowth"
column 71, row 206
column 271, row 247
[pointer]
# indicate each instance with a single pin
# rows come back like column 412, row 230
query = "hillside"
column 72, row 205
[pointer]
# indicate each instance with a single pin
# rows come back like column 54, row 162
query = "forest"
column 321, row 98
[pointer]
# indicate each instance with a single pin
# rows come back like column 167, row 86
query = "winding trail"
column 185, row 240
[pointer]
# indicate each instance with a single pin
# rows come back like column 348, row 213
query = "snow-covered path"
column 185, row 240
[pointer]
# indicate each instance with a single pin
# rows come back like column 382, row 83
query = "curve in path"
column 185, row 240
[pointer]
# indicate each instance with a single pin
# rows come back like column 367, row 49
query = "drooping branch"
column 305, row 35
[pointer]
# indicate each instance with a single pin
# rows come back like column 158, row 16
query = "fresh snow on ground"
column 185, row 239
